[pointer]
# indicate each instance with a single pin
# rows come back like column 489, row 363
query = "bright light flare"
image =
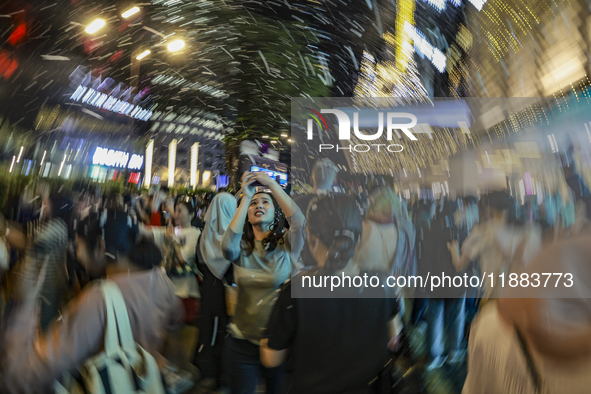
column 176, row 45
column 206, row 178
column 62, row 166
column 43, row 158
column 130, row 12
column 143, row 54
column 19, row 155
column 95, row 26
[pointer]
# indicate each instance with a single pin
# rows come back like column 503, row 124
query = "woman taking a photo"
column 263, row 253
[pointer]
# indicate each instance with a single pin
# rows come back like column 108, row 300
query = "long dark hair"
column 275, row 236
column 336, row 221
column 61, row 207
column 119, row 233
column 146, row 255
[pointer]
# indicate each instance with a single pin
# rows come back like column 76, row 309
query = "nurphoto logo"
column 393, row 125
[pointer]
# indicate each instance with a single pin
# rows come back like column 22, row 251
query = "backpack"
column 123, row 367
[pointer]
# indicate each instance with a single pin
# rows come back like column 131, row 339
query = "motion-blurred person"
column 90, row 250
column 465, row 218
column 215, row 267
column 573, row 178
column 388, row 237
column 168, row 209
column 445, row 307
column 331, row 345
column 388, row 240
column 151, row 213
column 263, row 254
column 4, row 248
column 4, row 261
column 178, row 246
column 424, row 212
column 199, row 220
column 49, row 247
column 494, row 242
column 12, row 240
column 542, row 343
column 33, row 360
column 324, row 174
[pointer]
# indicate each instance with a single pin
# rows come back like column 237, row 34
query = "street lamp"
column 130, row 12
column 176, row 45
column 95, row 26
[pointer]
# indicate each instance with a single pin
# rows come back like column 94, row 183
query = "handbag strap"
column 118, row 329
column 531, row 366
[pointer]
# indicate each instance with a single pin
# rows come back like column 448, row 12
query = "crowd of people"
column 208, row 288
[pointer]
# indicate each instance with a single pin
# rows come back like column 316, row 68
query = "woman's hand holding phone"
column 247, row 185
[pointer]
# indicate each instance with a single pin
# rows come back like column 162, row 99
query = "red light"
column 18, row 34
column 116, row 56
column 7, row 65
column 134, row 177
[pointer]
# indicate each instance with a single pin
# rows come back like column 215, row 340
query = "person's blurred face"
column 181, row 215
column 261, row 210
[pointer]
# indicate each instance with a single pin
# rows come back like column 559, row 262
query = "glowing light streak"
column 62, row 166
column 149, row 156
column 95, row 26
column 12, row 165
column 171, row 162
column 130, row 12
column 143, row 54
column 194, row 161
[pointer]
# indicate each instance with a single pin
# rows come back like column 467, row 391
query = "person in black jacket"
column 330, row 345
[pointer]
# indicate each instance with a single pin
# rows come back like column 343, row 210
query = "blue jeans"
column 442, row 313
column 246, row 369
